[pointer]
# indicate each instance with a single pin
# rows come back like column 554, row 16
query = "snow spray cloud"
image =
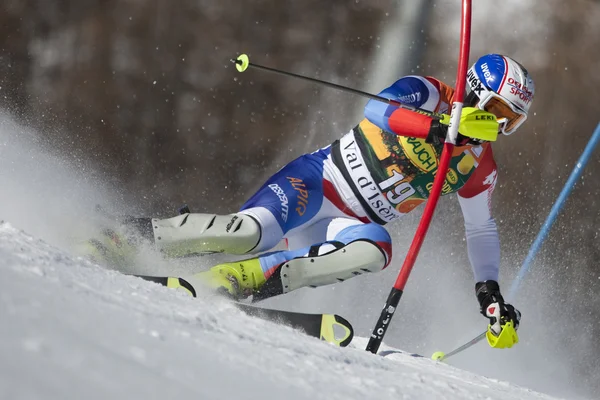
column 43, row 193
column 54, row 197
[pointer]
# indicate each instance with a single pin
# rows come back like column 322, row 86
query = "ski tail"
column 331, row 328
column 328, row 328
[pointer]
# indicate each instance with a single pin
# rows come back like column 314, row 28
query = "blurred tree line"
column 143, row 92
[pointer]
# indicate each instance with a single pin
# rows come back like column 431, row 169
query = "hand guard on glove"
column 476, row 127
column 494, row 308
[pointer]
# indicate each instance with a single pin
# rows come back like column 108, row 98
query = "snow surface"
column 73, row 330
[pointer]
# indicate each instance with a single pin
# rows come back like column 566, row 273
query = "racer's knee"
column 271, row 232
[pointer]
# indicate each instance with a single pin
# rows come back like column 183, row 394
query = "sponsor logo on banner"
column 445, row 189
column 452, row 177
column 421, row 154
column 282, row 198
column 424, row 157
column 378, row 196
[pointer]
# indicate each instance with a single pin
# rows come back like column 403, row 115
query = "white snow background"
column 70, row 329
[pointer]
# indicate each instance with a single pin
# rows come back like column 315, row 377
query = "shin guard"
column 192, row 234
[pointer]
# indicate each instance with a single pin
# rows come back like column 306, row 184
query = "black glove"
column 494, row 308
column 438, row 131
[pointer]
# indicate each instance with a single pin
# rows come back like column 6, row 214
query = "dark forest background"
column 142, row 93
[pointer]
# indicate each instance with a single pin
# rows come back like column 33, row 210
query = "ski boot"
column 109, row 248
column 117, row 246
column 237, row 280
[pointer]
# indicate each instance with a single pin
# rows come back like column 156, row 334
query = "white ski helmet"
column 500, row 85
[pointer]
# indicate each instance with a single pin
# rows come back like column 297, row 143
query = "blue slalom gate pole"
column 556, row 208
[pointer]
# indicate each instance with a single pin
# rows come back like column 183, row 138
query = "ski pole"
column 393, row 299
column 243, row 62
column 556, row 208
column 544, row 230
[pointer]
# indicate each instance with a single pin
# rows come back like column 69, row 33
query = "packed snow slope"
column 73, row 330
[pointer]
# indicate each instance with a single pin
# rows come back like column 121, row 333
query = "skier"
column 331, row 205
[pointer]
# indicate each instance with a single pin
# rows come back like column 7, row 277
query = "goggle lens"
column 507, row 115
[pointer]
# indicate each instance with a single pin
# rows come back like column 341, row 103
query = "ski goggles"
column 509, row 117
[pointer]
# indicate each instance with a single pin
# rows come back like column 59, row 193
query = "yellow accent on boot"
column 240, row 278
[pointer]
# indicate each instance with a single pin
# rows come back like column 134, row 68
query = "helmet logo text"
column 475, row 83
column 486, row 73
column 520, row 90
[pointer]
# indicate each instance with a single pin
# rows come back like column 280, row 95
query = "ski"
column 331, row 328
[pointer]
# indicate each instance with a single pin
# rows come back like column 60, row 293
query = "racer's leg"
column 290, row 199
column 354, row 250
column 350, row 248
column 184, row 235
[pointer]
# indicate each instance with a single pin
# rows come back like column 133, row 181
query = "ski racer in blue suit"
column 330, row 207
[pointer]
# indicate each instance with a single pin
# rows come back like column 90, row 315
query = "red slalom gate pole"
column 393, row 299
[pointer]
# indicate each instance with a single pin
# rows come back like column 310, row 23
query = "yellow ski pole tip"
column 438, row 356
column 242, row 62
